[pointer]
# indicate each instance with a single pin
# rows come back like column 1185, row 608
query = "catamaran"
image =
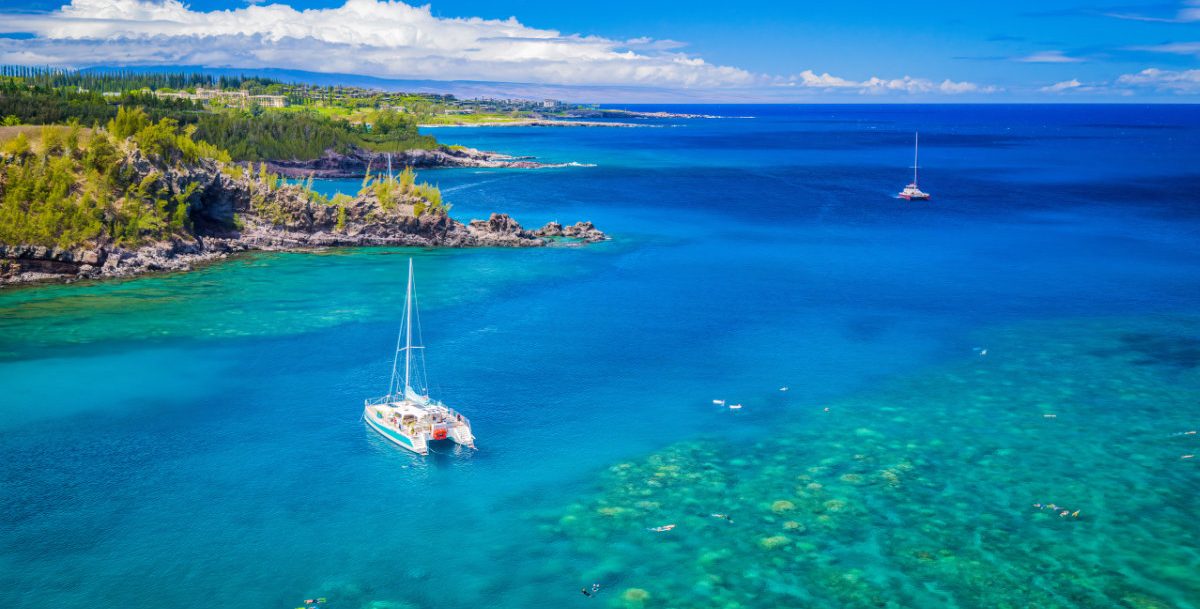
column 407, row 416
column 911, row 192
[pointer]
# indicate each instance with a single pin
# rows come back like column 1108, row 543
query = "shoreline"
column 39, row 265
column 541, row 122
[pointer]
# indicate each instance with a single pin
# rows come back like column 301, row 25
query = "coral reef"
column 919, row 494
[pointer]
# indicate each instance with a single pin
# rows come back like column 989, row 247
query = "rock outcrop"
column 582, row 231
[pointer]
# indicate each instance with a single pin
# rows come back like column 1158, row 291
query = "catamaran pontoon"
column 406, row 416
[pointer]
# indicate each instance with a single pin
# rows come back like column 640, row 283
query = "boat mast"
column 916, row 142
column 408, row 327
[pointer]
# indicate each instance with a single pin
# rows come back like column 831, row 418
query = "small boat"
column 719, row 402
column 735, row 406
column 407, row 416
column 911, row 192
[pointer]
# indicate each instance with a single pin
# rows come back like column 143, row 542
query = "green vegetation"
column 403, row 188
column 228, row 115
column 299, row 136
column 124, row 80
column 65, row 192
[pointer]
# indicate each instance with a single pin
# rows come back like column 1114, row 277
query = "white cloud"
column 1192, row 13
column 1049, row 57
column 1188, row 13
column 1059, row 87
column 876, row 85
column 1179, row 81
column 1178, row 48
column 388, row 39
column 377, row 37
column 1062, row 86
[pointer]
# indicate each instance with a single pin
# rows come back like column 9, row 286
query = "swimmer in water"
column 724, row 517
column 664, row 528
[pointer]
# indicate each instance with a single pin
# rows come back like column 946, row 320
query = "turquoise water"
column 195, row 438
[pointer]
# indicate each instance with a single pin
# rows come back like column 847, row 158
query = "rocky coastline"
column 32, row 263
column 354, row 163
column 234, row 211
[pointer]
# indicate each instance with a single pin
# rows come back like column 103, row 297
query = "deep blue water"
column 195, row 439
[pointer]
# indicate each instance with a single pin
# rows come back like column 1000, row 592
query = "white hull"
column 414, row 426
column 395, row 436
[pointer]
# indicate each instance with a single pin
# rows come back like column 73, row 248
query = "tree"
column 128, row 122
column 52, row 140
column 18, row 147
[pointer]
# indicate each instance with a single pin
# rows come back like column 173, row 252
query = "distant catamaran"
column 405, row 416
column 911, row 192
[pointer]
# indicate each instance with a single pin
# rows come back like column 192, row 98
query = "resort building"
column 270, row 101
column 235, row 97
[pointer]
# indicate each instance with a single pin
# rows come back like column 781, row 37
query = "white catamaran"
column 406, row 416
column 911, row 192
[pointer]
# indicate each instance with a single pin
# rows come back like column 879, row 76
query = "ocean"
column 1029, row 338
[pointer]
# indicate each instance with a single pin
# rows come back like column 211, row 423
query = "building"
column 270, row 101
column 235, row 97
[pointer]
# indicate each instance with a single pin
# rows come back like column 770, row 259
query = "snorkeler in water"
column 725, row 517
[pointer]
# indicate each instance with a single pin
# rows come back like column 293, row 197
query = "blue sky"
column 928, row 50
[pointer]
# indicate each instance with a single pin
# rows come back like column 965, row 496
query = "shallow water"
column 196, row 437
column 929, row 491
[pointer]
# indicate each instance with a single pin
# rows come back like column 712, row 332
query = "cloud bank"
column 1176, row 81
column 875, row 85
column 388, row 39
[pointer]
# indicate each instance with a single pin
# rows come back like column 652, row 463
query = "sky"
column 628, row 51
